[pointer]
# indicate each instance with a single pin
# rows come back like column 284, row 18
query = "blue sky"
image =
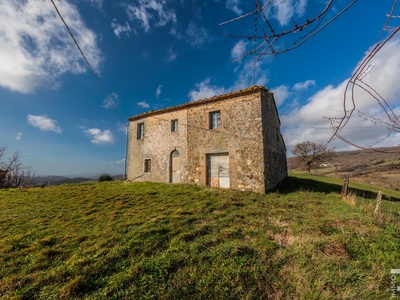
column 151, row 54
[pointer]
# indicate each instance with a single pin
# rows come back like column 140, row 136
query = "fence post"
column 345, row 186
column 378, row 203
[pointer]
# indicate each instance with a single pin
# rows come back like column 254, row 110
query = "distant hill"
column 58, row 180
column 368, row 166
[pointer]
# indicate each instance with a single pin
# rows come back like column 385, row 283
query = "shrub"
column 105, row 177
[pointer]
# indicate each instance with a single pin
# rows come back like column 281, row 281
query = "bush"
column 105, row 177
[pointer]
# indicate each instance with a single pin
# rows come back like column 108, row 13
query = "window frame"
column 140, row 131
column 214, row 119
column 174, row 125
column 147, row 165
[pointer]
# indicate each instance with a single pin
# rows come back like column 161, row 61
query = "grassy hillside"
column 333, row 184
column 380, row 169
column 155, row 241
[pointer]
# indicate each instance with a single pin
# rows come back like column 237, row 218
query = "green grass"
column 362, row 189
column 156, row 241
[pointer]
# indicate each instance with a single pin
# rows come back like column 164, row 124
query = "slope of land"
column 156, row 241
column 371, row 167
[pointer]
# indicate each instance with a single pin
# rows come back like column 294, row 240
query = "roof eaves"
column 226, row 96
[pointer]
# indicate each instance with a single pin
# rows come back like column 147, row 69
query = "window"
column 174, row 125
column 215, row 119
column 277, row 134
column 147, row 165
column 140, row 131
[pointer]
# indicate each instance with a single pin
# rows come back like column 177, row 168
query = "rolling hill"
column 115, row 240
column 367, row 166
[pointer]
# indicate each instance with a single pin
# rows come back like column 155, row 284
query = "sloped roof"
column 247, row 91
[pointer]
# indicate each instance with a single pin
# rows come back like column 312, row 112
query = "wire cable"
column 89, row 65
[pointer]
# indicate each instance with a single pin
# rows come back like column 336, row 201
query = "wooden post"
column 345, row 186
column 378, row 203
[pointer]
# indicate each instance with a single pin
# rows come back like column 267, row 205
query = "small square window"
column 140, row 131
column 215, row 119
column 174, row 125
column 147, row 165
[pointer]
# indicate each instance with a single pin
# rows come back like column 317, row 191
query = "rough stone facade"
column 245, row 151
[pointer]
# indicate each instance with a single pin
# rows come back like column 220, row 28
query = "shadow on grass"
column 295, row 184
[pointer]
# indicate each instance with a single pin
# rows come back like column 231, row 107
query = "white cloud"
column 204, row 90
column 100, row 137
column 174, row 32
column 246, row 74
column 234, row 6
column 118, row 162
column 95, row 3
column 122, row 127
column 18, row 136
column 158, row 91
column 151, row 13
column 111, row 101
column 143, row 104
column 43, row 123
column 244, row 79
column 285, row 10
column 197, row 36
column 171, row 55
column 285, row 92
column 36, row 49
column 121, row 29
column 301, row 7
column 369, row 123
column 239, row 51
column 303, row 85
column 281, row 94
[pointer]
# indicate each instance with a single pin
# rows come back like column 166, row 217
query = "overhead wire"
column 103, row 88
column 101, row 85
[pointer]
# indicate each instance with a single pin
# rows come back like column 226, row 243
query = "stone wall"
column 249, row 134
column 240, row 135
column 274, row 146
column 158, row 143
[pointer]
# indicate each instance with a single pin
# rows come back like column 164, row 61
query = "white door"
column 218, row 170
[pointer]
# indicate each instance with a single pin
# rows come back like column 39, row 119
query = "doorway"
column 218, row 170
column 175, row 176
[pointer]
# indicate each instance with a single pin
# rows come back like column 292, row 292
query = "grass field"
column 156, row 241
column 378, row 167
column 335, row 185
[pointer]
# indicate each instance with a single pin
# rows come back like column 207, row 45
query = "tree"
column 274, row 38
column 15, row 174
column 310, row 154
column 105, row 177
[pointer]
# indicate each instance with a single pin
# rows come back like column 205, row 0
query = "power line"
column 99, row 83
column 89, row 65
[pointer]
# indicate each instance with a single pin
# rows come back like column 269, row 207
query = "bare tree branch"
column 13, row 174
column 307, row 28
column 275, row 39
column 356, row 80
column 311, row 154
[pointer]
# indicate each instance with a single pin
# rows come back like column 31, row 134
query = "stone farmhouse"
column 227, row 141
